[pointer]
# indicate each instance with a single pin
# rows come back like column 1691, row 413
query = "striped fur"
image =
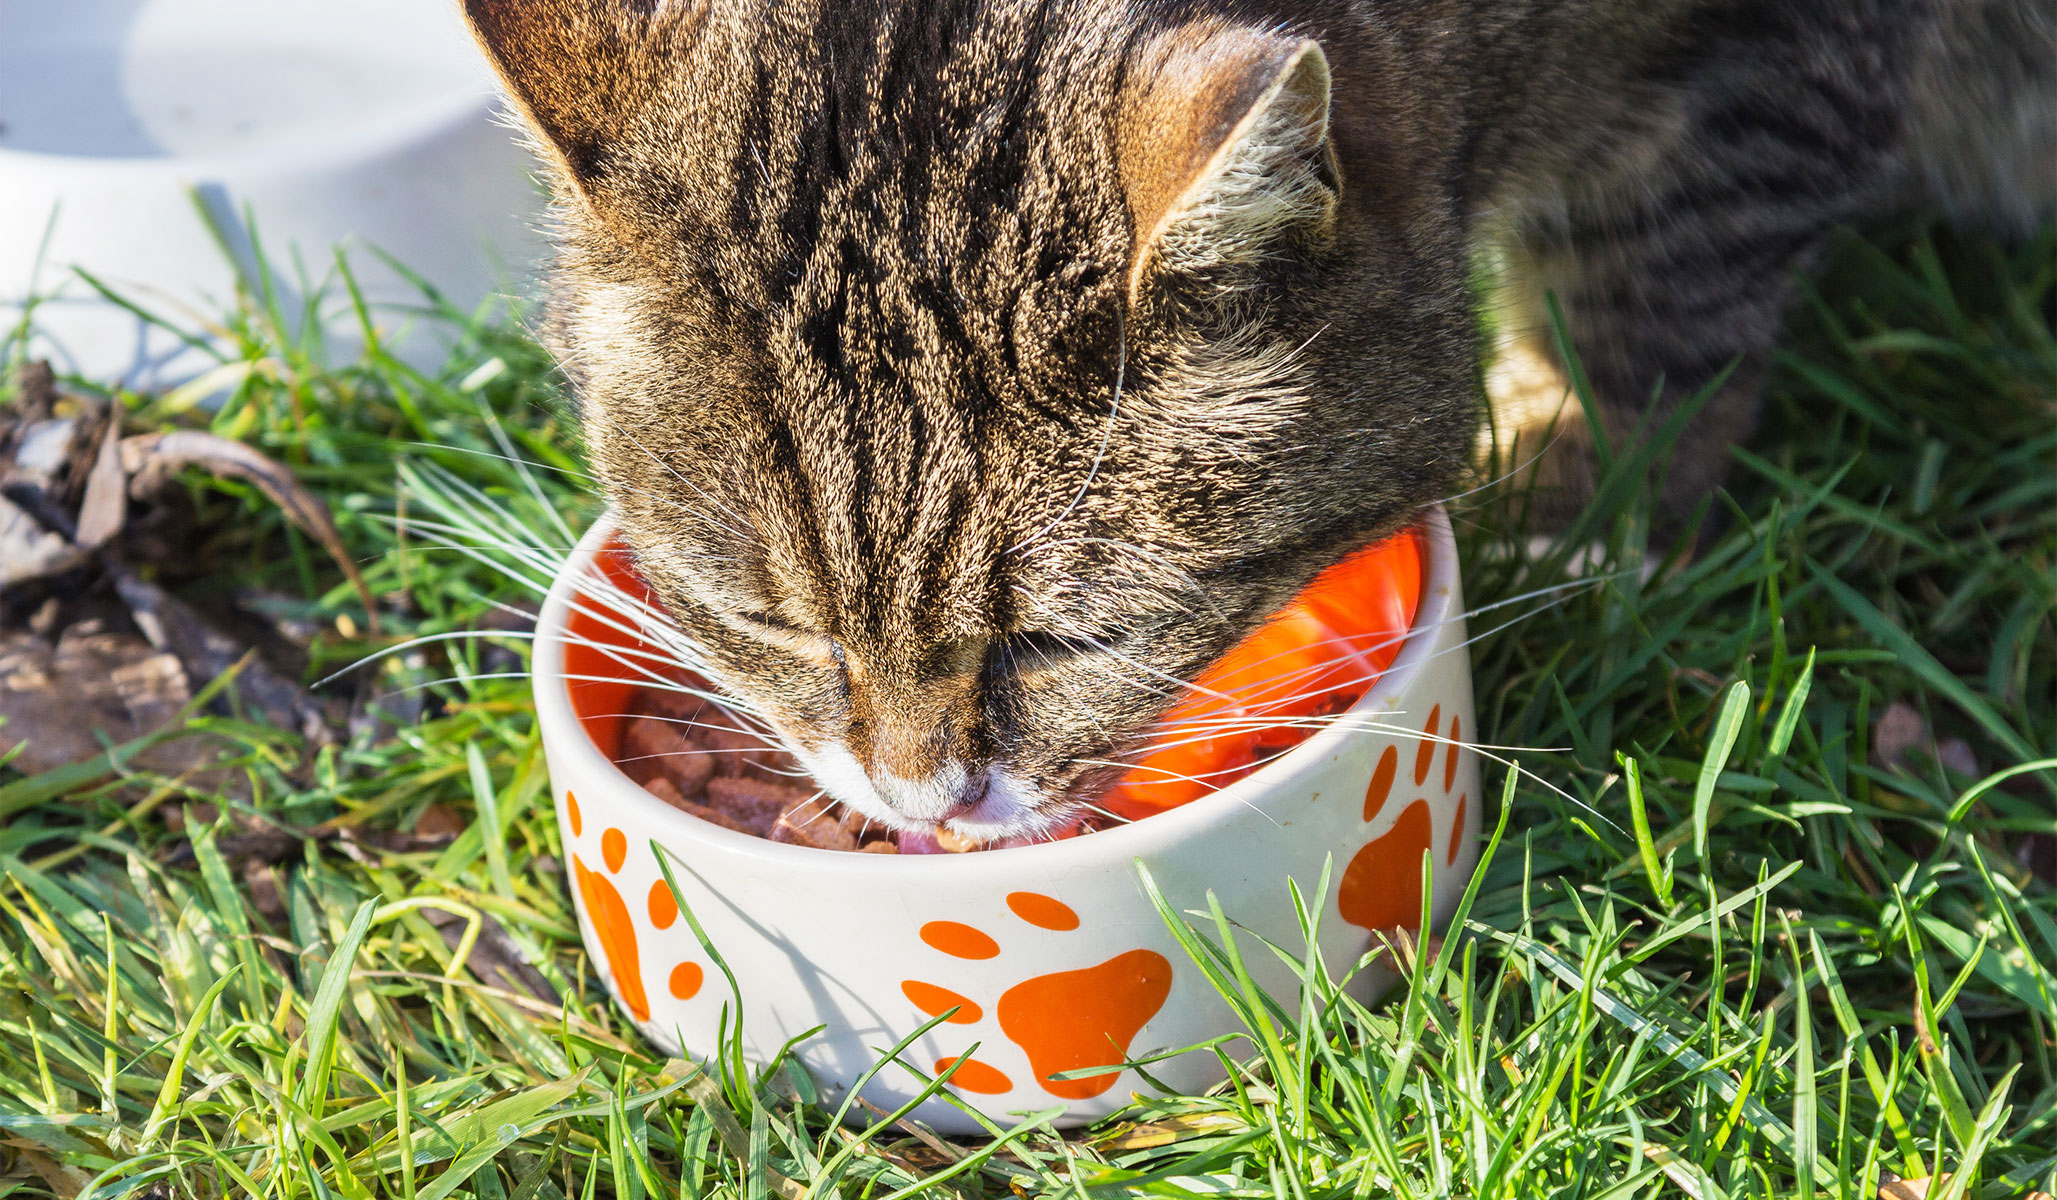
column 967, row 372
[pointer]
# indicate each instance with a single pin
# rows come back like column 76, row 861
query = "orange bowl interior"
column 595, row 674
column 1314, row 659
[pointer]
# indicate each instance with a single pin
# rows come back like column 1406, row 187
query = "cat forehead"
column 928, row 480
column 796, row 141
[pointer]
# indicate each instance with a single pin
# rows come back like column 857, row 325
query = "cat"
column 966, row 374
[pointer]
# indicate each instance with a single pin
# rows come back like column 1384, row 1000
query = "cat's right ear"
column 578, row 71
column 1223, row 148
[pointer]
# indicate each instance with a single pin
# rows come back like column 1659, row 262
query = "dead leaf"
column 61, row 700
column 1900, row 733
column 267, row 892
column 496, row 959
column 1955, row 753
column 1897, row 730
column 2037, row 852
column 1910, row 1189
column 60, row 1179
column 205, row 652
column 29, row 550
column 106, row 501
column 1171, row 1130
column 35, row 390
column 440, row 821
column 150, row 458
column 945, row 1153
column 44, row 451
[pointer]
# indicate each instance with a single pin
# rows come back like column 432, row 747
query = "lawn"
column 1771, row 908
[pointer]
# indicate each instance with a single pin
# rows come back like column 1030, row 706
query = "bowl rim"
column 590, row 773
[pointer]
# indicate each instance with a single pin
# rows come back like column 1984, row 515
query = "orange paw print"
column 616, row 926
column 1062, row 1021
column 1381, row 888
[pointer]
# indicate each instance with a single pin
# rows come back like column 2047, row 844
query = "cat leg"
column 1677, row 271
column 1650, row 334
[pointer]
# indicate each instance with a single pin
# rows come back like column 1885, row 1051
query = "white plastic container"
column 334, row 122
column 1053, row 953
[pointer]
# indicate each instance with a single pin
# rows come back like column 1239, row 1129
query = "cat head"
column 966, row 376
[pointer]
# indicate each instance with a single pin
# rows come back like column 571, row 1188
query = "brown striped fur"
column 966, row 372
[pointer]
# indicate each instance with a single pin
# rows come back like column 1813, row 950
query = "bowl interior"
column 1316, row 658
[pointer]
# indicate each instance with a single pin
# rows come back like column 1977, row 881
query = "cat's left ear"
column 581, row 71
column 1224, row 150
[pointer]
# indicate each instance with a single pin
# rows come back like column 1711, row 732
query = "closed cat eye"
column 770, row 628
column 762, row 622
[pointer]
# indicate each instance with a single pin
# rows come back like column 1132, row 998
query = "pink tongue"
column 912, row 842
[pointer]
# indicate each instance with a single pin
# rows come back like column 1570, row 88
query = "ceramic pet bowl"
column 1052, row 954
column 129, row 127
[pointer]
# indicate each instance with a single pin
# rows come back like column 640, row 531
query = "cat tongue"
column 913, row 842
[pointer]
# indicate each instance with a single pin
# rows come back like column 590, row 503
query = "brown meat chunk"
column 954, row 842
column 652, row 747
column 754, row 802
column 715, row 816
column 668, row 792
column 738, row 753
column 814, row 824
column 665, row 702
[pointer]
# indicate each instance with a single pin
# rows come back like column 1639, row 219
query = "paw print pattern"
column 1062, row 1021
column 616, row 926
column 1381, row 888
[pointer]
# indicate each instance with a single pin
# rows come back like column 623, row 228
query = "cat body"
column 968, row 374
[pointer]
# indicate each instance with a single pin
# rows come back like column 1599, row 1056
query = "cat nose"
column 973, row 792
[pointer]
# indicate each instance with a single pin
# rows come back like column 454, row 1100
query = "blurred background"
column 155, row 154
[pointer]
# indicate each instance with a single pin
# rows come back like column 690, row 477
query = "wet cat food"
column 1301, row 671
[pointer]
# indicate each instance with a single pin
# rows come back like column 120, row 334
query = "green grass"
column 1745, row 958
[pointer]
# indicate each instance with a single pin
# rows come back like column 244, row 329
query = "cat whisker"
column 633, row 758
column 820, row 811
column 685, row 723
column 416, row 643
column 1106, row 813
column 490, row 533
column 1509, row 475
column 1214, row 789
column 1358, row 723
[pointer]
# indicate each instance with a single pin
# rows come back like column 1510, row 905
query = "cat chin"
column 1012, row 811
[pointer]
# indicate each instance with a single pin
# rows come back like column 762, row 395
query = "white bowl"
column 1054, row 951
column 332, row 121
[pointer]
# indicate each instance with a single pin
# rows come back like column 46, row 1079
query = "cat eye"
column 763, row 624
column 766, row 627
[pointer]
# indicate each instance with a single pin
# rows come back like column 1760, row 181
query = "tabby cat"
column 967, row 373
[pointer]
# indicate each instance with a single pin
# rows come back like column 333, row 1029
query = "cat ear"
column 1223, row 147
column 578, row 70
